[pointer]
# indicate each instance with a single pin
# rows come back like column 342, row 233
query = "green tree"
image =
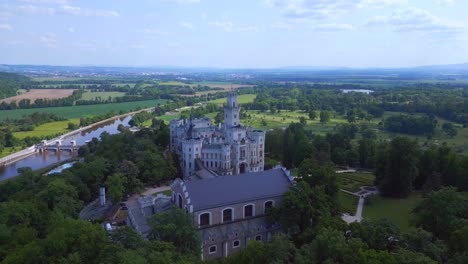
column 61, row 197
column 176, row 226
column 302, row 207
column 325, row 116
column 449, row 129
column 316, row 174
column 397, row 167
column 442, row 212
column 312, row 115
column 115, row 187
column 280, row 250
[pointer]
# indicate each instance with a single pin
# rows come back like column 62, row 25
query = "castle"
column 206, row 151
column 224, row 186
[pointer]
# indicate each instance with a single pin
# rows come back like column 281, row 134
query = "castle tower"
column 231, row 111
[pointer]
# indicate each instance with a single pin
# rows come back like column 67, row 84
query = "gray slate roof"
column 232, row 189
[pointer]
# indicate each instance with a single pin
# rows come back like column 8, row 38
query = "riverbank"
column 14, row 157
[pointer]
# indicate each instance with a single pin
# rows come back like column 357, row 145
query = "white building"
column 221, row 150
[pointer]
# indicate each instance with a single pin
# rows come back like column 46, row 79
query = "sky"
column 235, row 33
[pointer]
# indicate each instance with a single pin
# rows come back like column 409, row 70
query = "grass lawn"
column 348, row 202
column 396, row 210
column 352, row 181
column 102, row 95
column 81, row 110
column 48, row 129
column 241, row 99
column 167, row 193
column 7, row 151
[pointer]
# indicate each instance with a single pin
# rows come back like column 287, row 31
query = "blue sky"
column 237, row 33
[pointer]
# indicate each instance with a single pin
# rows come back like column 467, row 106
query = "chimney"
column 102, row 196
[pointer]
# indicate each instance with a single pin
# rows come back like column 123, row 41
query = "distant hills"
column 430, row 71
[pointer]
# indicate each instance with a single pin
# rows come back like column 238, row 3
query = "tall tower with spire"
column 231, row 111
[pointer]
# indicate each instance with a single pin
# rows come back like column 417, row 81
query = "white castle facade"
column 227, row 149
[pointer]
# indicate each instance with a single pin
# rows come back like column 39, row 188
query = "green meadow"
column 82, row 110
column 103, row 95
column 48, row 129
column 398, row 211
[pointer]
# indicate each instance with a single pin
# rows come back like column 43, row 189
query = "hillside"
column 10, row 83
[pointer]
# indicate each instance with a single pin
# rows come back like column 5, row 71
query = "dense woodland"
column 10, row 83
column 38, row 214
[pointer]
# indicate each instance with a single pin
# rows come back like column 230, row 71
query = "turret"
column 231, row 111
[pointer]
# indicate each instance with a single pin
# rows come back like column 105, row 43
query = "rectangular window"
column 236, row 243
column 258, row 238
column 212, row 249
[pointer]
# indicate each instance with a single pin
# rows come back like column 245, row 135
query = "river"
column 47, row 158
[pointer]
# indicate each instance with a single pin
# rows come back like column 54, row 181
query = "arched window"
column 268, row 205
column 180, row 201
column 204, row 219
column 228, row 215
column 248, row 210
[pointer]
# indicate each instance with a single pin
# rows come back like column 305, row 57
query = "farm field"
column 396, row 210
column 103, row 95
column 82, row 110
column 34, row 94
column 241, row 99
column 48, row 129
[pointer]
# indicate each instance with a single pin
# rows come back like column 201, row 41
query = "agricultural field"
column 103, row 95
column 241, row 99
column 82, row 110
column 48, row 129
column 396, row 210
column 34, row 94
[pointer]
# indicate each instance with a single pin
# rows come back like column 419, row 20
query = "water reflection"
column 42, row 160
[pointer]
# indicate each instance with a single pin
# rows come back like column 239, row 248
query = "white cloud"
column 333, row 27
column 66, row 10
column 151, row 31
column 48, row 40
column 36, row 10
column 180, row 1
column 71, row 30
column 445, row 2
column 228, row 26
column 78, row 11
column 418, row 20
column 186, row 25
column 6, row 27
column 324, row 9
column 45, row 1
